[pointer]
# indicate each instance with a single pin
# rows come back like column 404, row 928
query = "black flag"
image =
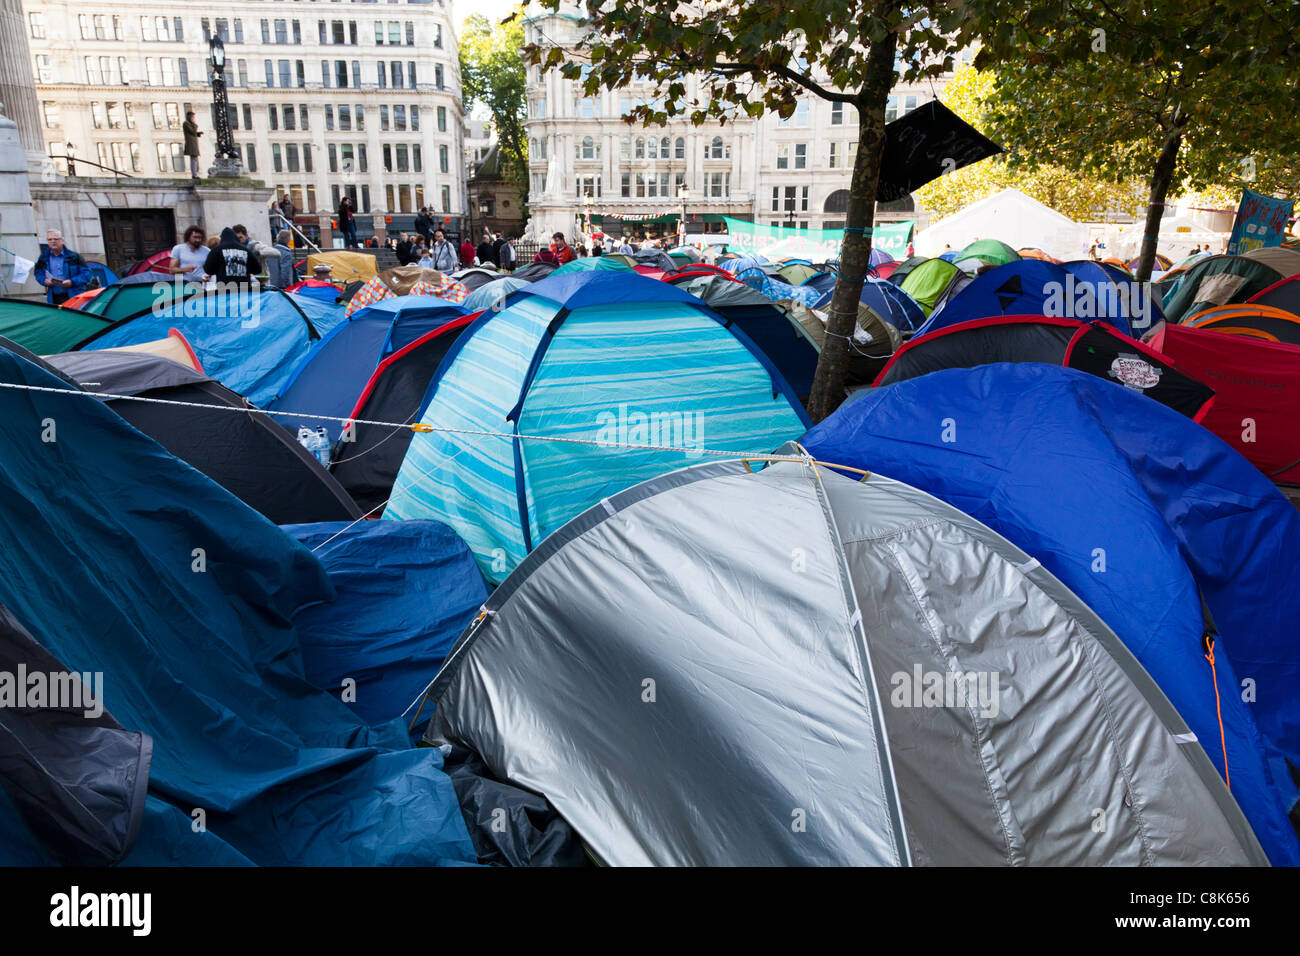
column 923, row 145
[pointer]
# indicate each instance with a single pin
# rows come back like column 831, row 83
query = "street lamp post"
column 227, row 162
column 683, row 193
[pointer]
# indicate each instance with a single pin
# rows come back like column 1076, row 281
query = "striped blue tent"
column 606, row 358
column 776, row 290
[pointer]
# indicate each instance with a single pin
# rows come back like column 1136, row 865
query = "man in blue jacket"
column 61, row 271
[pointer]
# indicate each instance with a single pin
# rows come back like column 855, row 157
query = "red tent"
column 155, row 263
column 1256, row 408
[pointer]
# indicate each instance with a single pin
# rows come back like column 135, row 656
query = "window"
column 51, row 113
column 250, row 154
column 290, row 117
column 300, row 73
column 239, row 31
column 588, row 149
column 410, row 75
column 399, row 117
column 442, row 119
column 92, row 71
column 443, row 164
column 347, row 159
column 97, row 115
column 44, row 73
column 437, row 81
column 835, row 156
column 446, row 197
column 586, row 108
column 358, row 117
column 837, row 114
column 800, row 155
column 356, row 74
column 798, row 118
column 329, row 118
column 223, row 29
column 396, row 72
column 417, row 163
column 183, row 67
column 266, row 31
column 248, row 117
column 286, row 76
column 333, row 158
column 337, row 33
column 717, row 185
column 173, row 116
column 403, row 159
column 539, row 108
column 625, row 185
column 589, row 186
column 783, row 156
column 341, row 74
column 539, row 151
column 345, row 118
column 291, row 158
column 717, row 149
column 272, row 117
column 270, row 72
column 281, row 32
column 83, row 21
column 243, row 72
column 171, row 158
column 277, row 159
column 297, row 33
column 415, row 117
column 361, row 156
column 36, row 22
column 383, row 75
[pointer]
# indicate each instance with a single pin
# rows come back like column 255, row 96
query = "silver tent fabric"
column 705, row 669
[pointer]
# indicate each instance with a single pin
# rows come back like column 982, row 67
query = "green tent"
column 127, row 301
column 797, row 273
column 593, row 264
column 620, row 257
column 1216, row 280
column 46, row 329
column 929, row 281
column 991, row 251
column 904, row 269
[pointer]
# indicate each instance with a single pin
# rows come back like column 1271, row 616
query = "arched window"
column 653, row 148
column 906, row 204
column 640, row 147
column 837, row 201
column 681, row 148
column 588, row 148
column 665, row 148
column 625, row 147
column 716, row 148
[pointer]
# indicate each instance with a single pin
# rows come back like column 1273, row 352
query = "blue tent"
column 742, row 262
column 595, row 356
column 249, row 342
column 1139, row 511
column 775, row 289
column 122, row 560
column 1037, row 287
column 327, row 293
column 428, row 587
column 887, row 300
column 329, row 380
column 103, row 273
column 490, row 292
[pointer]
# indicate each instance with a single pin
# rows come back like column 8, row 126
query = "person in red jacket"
column 467, row 253
column 563, row 251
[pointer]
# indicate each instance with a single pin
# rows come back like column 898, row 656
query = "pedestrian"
column 287, row 209
column 347, row 222
column 485, row 252
column 424, row 224
column 442, row 254
column 561, row 249
column 625, row 248
column 63, row 272
column 189, row 256
column 404, row 249
column 241, row 233
column 230, row 261
column 279, row 267
column 191, row 131
column 507, row 255
column 498, row 243
column 1092, row 253
column 467, row 257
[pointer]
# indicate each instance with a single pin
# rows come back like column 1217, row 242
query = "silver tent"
column 726, row 667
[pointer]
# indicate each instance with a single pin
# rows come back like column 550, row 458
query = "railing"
column 72, row 166
column 287, row 223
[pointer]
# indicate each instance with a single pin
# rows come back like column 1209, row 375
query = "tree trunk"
column 1161, row 177
column 855, row 254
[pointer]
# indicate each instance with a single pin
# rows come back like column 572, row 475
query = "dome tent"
column 780, row 691
column 595, row 356
column 1142, row 514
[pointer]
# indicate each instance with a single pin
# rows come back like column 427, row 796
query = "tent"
column 1161, row 264
column 904, row 268
column 250, row 456
column 331, row 377
column 105, row 276
column 797, row 273
column 367, row 465
column 1283, row 294
column 486, row 296
column 602, row 357
column 46, row 328
column 1281, row 258
column 1032, row 287
column 345, row 266
column 534, row 271
column 174, row 347
column 1011, row 213
column 989, row 251
column 769, row 325
column 129, row 299
column 1139, row 512
column 654, row 257
column 1093, row 347
column 593, row 264
column 154, row 263
column 474, row 278
column 426, row 581
column 777, row 290
column 377, row 290
column 627, row 260
column 885, row 299
column 1258, row 321
column 687, row 273
column 932, row 283
column 135, row 566
column 788, row 695
column 81, row 298
column 317, row 289
column 249, row 342
column 1257, row 393
column 1216, row 280
column 691, row 254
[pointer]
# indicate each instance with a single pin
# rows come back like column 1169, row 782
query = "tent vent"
column 609, row 508
column 1028, row 566
column 856, row 619
column 1187, row 738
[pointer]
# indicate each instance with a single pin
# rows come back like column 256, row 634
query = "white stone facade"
column 322, row 94
column 762, row 170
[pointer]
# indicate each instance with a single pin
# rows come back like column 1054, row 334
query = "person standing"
column 405, row 251
column 287, row 210
column 188, row 257
column 442, row 254
column 191, row 131
column 466, row 253
column 347, row 222
column 231, row 262
column 424, row 224
column 507, row 255
column 279, row 267
column 626, row 248
column 486, row 253
column 63, row 272
column 562, row 250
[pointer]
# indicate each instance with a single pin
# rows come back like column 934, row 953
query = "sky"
column 493, row 9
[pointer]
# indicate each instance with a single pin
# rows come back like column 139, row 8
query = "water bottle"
column 317, row 442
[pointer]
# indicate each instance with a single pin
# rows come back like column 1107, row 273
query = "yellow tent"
column 345, row 266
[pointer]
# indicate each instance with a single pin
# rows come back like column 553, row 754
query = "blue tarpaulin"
column 121, row 559
column 1135, row 508
column 406, row 590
